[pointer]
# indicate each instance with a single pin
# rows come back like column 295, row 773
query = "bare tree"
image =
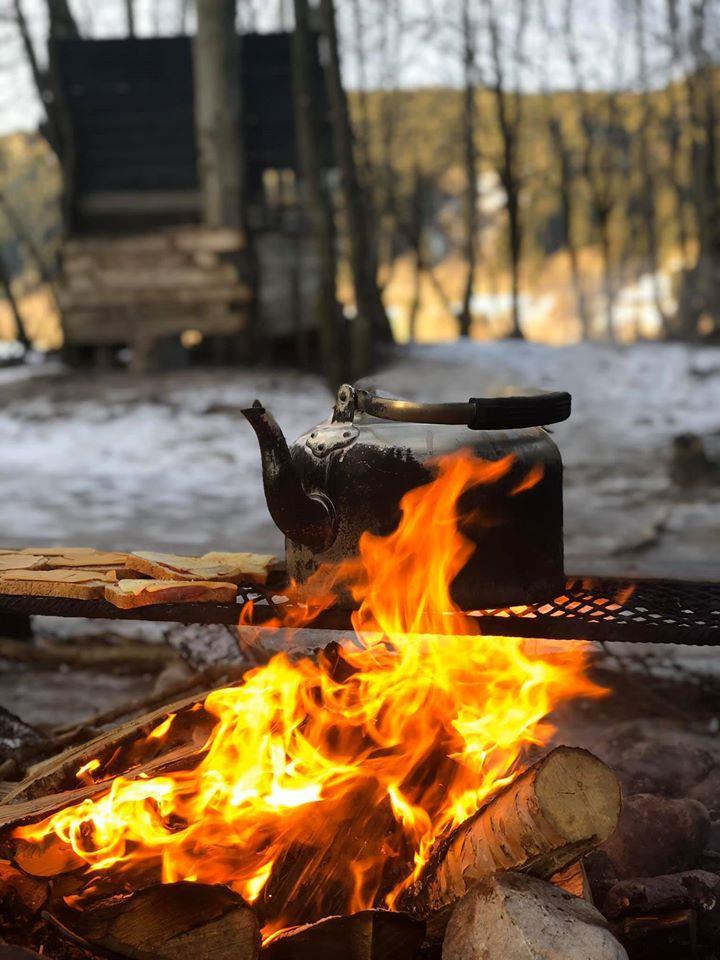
column 6, row 287
column 309, row 137
column 677, row 94
column 564, row 157
column 130, row 17
column 647, row 159
column 597, row 161
column 701, row 289
column 470, row 158
column 371, row 323
column 509, row 105
column 219, row 129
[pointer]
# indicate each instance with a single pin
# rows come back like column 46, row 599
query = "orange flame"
column 325, row 781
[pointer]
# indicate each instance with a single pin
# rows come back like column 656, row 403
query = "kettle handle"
column 491, row 413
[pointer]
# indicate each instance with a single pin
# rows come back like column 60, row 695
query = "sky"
column 407, row 42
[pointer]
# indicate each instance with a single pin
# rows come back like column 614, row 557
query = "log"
column 698, row 889
column 18, row 892
column 53, row 857
column 547, row 818
column 657, row 836
column 58, row 773
column 366, row 935
column 171, row 921
column 515, row 917
column 659, row 936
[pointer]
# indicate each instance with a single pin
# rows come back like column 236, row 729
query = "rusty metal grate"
column 592, row 608
column 640, row 611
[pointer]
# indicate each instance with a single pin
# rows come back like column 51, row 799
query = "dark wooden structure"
column 138, row 266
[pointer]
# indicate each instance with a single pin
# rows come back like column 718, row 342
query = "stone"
column 656, row 836
column 516, row 917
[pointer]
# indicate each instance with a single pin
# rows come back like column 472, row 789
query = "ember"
column 325, row 782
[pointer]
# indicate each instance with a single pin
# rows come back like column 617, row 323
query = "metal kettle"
column 348, row 475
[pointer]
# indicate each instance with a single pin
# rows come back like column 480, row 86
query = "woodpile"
column 133, row 290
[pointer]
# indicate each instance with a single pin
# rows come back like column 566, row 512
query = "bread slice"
column 19, row 561
column 228, row 567
column 77, row 557
column 72, row 584
column 142, row 593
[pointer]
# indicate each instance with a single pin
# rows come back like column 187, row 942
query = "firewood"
column 698, row 889
column 657, row 836
column 367, row 935
column 516, row 917
column 10, row 952
column 28, row 893
column 120, row 749
column 128, row 594
column 73, row 584
column 235, row 567
column 548, row 817
column 574, row 880
column 169, row 922
column 52, row 856
column 659, row 936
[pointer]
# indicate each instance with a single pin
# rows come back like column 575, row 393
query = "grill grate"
column 641, row 611
column 592, row 608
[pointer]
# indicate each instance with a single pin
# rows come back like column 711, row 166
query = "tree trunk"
column 6, row 287
column 219, row 126
column 216, row 64
column 371, row 323
column 130, row 17
column 308, row 136
column 509, row 117
column 471, row 171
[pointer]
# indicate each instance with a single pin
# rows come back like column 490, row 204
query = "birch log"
column 547, row 818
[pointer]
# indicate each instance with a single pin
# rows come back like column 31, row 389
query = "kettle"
column 349, row 474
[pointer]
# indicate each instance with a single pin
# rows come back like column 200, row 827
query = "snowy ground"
column 168, row 462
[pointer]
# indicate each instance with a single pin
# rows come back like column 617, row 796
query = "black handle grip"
column 496, row 413
column 508, row 413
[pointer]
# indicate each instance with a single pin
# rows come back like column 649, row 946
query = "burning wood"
column 322, row 785
column 168, row 922
column 547, row 818
column 367, row 935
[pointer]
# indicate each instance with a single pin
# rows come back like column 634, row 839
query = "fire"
column 325, row 781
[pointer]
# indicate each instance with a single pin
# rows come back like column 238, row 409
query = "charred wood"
column 367, row 935
column 168, row 922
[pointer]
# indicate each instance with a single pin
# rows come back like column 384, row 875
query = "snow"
column 168, row 462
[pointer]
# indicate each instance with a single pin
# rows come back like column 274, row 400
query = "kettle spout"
column 308, row 519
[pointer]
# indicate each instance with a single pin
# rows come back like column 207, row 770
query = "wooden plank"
column 119, row 296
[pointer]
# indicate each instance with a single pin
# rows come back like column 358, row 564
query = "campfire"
column 325, row 801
